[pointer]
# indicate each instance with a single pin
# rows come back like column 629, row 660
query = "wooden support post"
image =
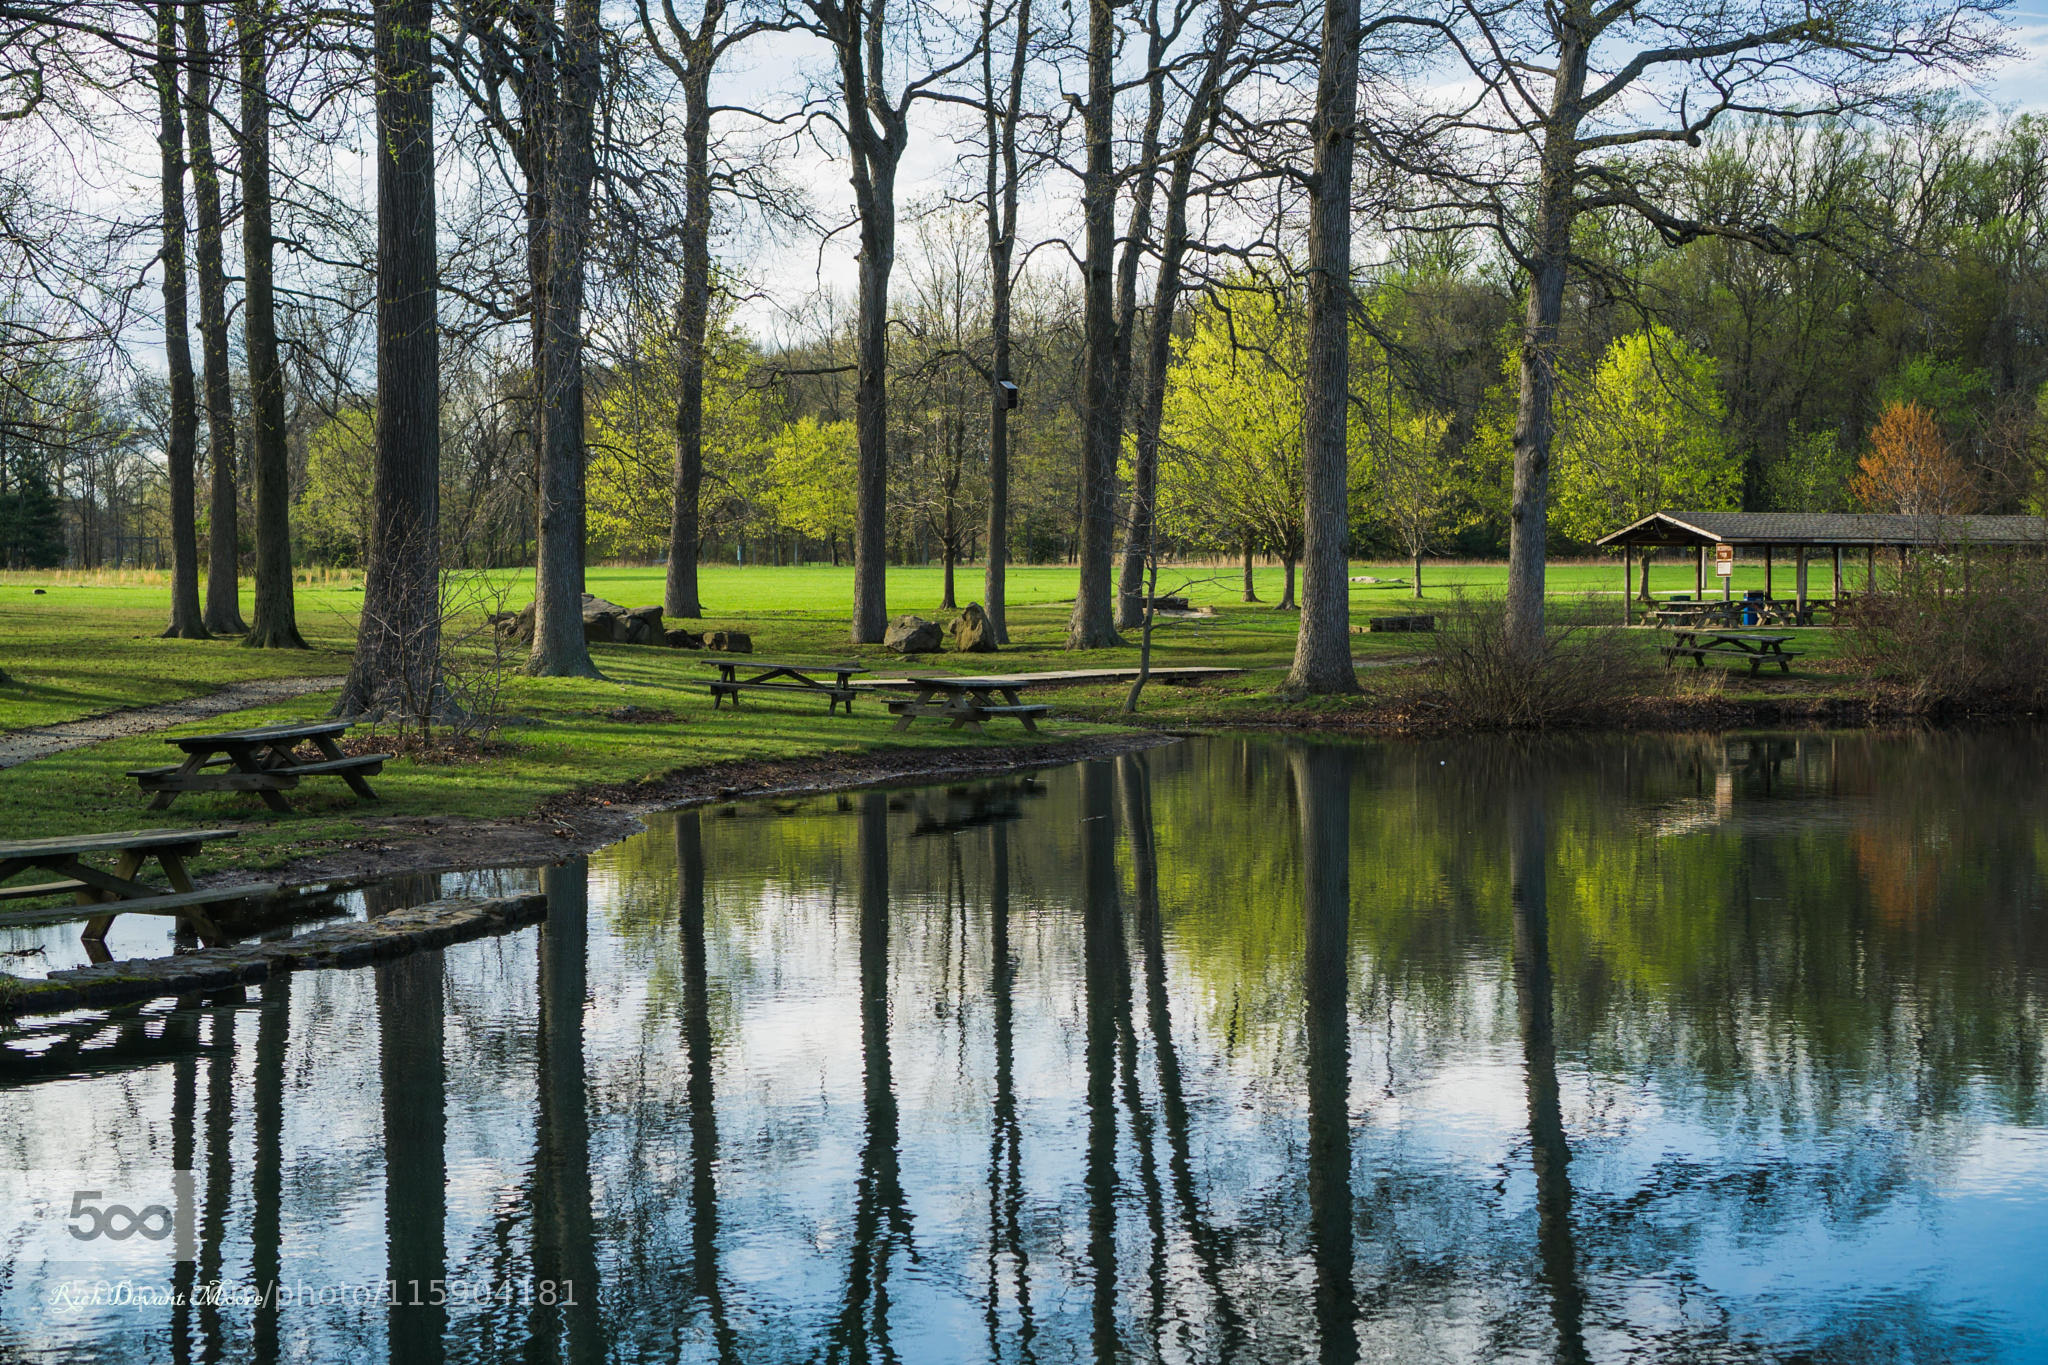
column 1767, row 571
column 1836, row 585
column 1799, row 580
column 1628, row 584
column 1699, row 577
column 1870, row 568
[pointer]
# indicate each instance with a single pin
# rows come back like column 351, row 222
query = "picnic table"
column 967, row 702
column 264, row 761
column 775, row 675
column 1696, row 643
column 1730, row 613
column 101, row 895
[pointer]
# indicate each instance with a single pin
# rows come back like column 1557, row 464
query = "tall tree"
column 876, row 125
column 276, row 625
column 1322, row 647
column 398, row 647
column 558, row 644
column 1001, row 112
column 223, row 530
column 1092, row 625
column 691, row 53
column 1198, row 128
column 182, row 435
column 1572, row 111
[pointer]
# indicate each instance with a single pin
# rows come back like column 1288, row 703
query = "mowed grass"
column 89, row 644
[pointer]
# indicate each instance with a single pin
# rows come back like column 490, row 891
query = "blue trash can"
column 1752, row 608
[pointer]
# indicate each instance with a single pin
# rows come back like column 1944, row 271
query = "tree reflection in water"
column 1679, row 1049
column 1322, row 784
column 881, row 1221
column 703, row 1099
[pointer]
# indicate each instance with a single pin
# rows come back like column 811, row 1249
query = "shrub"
column 1957, row 635
column 1580, row 675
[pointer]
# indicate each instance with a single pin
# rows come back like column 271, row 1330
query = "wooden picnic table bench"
column 264, row 761
column 1696, row 643
column 101, row 895
column 967, row 702
column 775, row 675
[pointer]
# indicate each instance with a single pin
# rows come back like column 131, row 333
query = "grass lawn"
column 88, row 644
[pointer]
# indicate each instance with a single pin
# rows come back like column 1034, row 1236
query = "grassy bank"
column 88, row 644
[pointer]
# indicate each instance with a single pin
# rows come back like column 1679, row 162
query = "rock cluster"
column 608, row 623
column 972, row 632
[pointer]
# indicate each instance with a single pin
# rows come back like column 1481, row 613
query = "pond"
column 1239, row 1049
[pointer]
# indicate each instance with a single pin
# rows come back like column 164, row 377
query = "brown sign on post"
column 1724, row 560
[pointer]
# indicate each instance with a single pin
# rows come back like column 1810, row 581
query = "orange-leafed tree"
column 1911, row 468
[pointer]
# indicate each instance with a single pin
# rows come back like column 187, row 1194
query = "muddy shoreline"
column 586, row 819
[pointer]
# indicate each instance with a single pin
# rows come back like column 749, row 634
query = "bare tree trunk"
column 1418, row 573
column 693, row 314
column 276, row 623
column 1251, row 592
column 397, row 665
column 1196, row 130
column 181, row 447
column 558, row 645
column 871, row 408
column 1002, row 190
column 223, row 614
column 1535, row 423
column 1092, row 625
column 1322, row 647
column 1286, row 602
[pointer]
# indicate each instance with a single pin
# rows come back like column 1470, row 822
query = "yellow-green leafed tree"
column 631, row 477
column 1230, row 430
column 332, row 520
column 1643, row 435
column 806, row 485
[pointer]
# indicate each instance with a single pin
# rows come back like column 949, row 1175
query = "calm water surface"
column 1237, row 1050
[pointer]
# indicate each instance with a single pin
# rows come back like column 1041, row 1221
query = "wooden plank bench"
column 772, row 675
column 263, row 761
column 101, row 895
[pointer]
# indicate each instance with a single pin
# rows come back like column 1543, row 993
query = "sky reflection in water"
column 1655, row 1048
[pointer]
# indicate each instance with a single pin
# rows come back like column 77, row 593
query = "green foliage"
column 633, row 444
column 31, row 523
column 1230, row 431
column 1949, row 389
column 1812, row 475
column 333, row 517
column 1643, row 434
column 808, row 481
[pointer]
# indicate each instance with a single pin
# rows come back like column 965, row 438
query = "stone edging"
column 350, row 944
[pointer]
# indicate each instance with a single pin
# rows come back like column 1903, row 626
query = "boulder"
column 1167, row 603
column 518, row 625
column 973, row 632
column 683, row 639
column 598, row 627
column 643, row 626
column 731, row 641
column 914, row 635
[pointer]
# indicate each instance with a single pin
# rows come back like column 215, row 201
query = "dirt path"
column 19, row 746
